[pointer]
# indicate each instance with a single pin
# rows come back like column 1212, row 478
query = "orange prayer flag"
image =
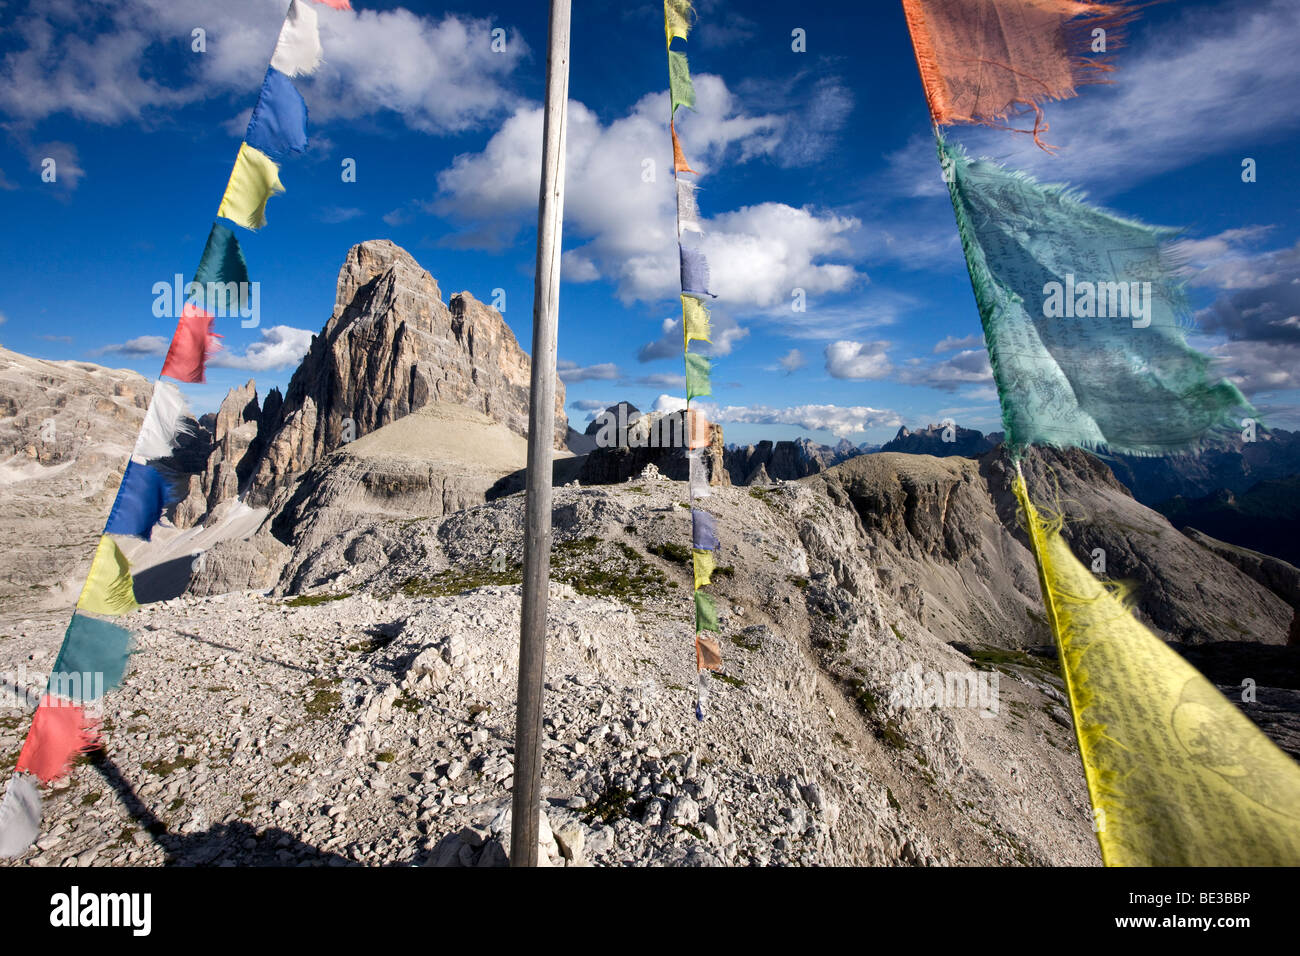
column 708, row 653
column 983, row 60
column 679, row 158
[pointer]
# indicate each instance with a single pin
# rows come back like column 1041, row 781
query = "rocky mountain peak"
column 390, row 347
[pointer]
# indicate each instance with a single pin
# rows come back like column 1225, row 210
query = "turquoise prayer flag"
column 1084, row 317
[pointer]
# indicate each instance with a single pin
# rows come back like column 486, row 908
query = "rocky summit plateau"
column 326, row 652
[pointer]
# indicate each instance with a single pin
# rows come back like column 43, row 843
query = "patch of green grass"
column 315, row 600
column 385, row 756
column 724, row 571
column 455, row 581
column 989, row 658
column 727, row 679
column 672, row 551
column 762, row 494
column 409, row 704
column 609, row 806
column 293, row 760
column 175, row 804
column 90, row 799
column 585, row 566
column 323, row 703
column 897, row 633
column 692, row 830
column 797, row 581
column 893, row 801
column 746, row 643
column 164, row 768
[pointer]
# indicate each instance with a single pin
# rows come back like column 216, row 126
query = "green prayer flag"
column 706, row 612
column 222, row 266
column 697, row 376
column 1084, row 317
column 679, row 80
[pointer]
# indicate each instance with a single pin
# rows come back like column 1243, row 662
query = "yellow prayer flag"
column 695, row 320
column 677, row 19
column 108, row 588
column 1178, row 776
column 253, row 181
column 702, row 564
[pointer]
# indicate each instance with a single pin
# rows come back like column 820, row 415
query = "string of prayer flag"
column 95, row 653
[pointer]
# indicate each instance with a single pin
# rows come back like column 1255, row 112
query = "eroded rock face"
column 392, row 346
column 610, row 464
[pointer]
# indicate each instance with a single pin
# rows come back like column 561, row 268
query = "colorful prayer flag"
column 91, row 647
column 679, row 158
column 298, row 50
column 695, row 272
column 688, row 210
column 702, row 565
column 223, row 268
column 706, row 612
column 697, row 376
column 1084, row 319
column 704, row 531
column 253, row 181
column 1178, row 776
column 192, row 343
column 677, row 22
column 708, row 654
column 982, row 60
column 695, row 320
column 278, row 125
column 20, row 816
column 699, row 431
column 60, row 733
column 108, row 589
column 698, row 474
column 337, row 4
column 679, row 80
column 141, row 498
column 164, row 422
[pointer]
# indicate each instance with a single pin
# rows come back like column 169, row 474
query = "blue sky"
column 818, row 173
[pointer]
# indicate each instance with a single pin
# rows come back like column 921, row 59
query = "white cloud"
column 858, row 360
column 723, row 330
column 280, row 346
column 840, row 420
column 437, row 74
column 332, row 215
column 138, row 347
column 967, row 367
column 792, row 361
column 571, row 373
column 757, row 254
column 669, row 403
column 950, row 342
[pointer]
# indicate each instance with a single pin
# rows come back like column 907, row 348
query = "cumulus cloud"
column 571, row 372
column 620, row 200
column 723, row 330
column 138, row 347
column 840, row 420
column 280, row 346
column 792, row 361
column 1262, row 301
column 1259, row 367
column 858, row 360
column 950, row 342
column 438, row 74
column 332, row 215
column 967, row 367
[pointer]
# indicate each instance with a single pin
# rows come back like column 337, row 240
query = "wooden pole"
column 541, row 441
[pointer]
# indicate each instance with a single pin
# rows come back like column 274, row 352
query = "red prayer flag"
column 193, row 342
column 60, row 732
